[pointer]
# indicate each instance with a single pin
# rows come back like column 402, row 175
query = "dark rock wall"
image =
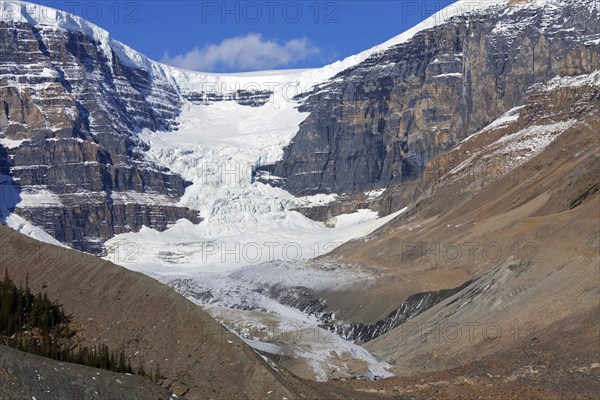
column 378, row 124
column 79, row 110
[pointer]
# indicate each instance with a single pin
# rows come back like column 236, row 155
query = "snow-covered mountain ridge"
column 39, row 16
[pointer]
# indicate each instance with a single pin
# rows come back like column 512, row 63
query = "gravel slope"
column 24, row 376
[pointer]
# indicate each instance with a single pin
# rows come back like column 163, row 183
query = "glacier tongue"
column 250, row 238
column 246, row 222
column 218, row 147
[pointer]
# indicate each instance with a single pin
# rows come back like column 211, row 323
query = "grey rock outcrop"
column 256, row 98
column 77, row 110
column 378, row 124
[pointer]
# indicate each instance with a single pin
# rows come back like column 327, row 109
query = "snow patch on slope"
column 357, row 217
column 25, row 227
column 10, row 196
column 530, row 141
column 517, row 147
column 38, row 196
column 132, row 197
column 592, row 80
column 10, row 143
column 507, row 118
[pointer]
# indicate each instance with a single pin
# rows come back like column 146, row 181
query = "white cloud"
column 244, row 53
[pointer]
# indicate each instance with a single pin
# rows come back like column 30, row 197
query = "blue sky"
column 231, row 36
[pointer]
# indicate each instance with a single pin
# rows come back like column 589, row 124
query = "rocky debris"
column 413, row 306
column 510, row 187
column 547, row 365
column 24, row 376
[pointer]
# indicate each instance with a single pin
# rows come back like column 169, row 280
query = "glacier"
column 251, row 236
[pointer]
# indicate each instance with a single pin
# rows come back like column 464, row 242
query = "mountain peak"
column 43, row 16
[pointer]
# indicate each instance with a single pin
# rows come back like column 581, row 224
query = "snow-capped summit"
column 18, row 11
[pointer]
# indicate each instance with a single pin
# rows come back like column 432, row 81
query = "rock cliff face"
column 242, row 97
column 69, row 112
column 378, row 124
